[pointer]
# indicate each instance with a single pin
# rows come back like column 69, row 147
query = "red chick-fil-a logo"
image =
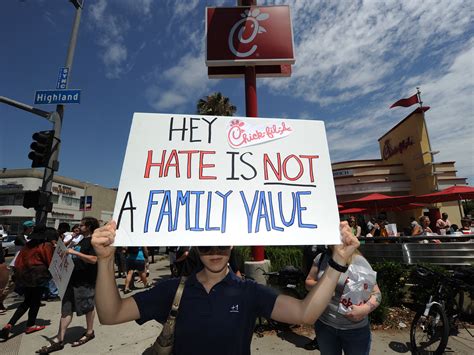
column 252, row 19
column 242, row 134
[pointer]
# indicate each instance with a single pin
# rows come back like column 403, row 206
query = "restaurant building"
column 406, row 167
column 72, row 199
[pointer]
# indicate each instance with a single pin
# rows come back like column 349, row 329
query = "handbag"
column 165, row 341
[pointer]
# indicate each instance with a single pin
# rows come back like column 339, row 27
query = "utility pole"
column 53, row 164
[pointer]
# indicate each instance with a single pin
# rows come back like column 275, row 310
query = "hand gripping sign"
column 206, row 180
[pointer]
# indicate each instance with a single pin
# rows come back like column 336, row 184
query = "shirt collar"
column 230, row 278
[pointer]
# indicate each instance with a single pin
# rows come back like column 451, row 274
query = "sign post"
column 260, row 41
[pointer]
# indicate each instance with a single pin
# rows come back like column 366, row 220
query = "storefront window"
column 70, row 201
column 11, row 199
column 55, row 199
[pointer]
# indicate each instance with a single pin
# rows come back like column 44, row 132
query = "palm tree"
column 215, row 105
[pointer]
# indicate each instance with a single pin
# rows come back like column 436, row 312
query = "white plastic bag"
column 359, row 285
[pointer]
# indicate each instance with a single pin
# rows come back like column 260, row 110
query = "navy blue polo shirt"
column 220, row 322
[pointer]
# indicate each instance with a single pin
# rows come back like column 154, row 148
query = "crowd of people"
column 206, row 270
column 421, row 226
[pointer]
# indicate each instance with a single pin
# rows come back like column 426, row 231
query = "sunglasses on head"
column 207, row 250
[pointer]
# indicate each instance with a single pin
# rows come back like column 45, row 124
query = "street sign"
column 47, row 97
column 62, row 78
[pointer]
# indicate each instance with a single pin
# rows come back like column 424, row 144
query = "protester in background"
column 356, row 230
column 80, row 292
column 337, row 332
column 465, row 226
column 443, row 224
column 225, row 324
column 423, row 228
column 71, row 239
column 379, row 229
column 137, row 258
column 413, row 224
column 63, row 228
column 22, row 238
column 371, row 224
column 32, row 274
column 4, row 275
column 120, row 261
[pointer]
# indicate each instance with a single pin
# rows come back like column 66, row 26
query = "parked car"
column 3, row 232
column 8, row 245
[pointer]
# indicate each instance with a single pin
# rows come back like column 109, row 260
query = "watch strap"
column 337, row 266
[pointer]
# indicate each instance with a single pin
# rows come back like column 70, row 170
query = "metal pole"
column 251, row 110
column 42, row 213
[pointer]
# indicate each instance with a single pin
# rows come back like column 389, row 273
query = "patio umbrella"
column 453, row 193
column 353, row 211
column 379, row 201
column 405, row 207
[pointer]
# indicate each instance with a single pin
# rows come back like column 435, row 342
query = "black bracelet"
column 337, row 266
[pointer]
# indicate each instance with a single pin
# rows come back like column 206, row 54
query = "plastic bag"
column 358, row 287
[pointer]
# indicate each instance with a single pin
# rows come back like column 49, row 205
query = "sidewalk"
column 133, row 339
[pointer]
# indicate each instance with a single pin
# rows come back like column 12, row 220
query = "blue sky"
column 353, row 59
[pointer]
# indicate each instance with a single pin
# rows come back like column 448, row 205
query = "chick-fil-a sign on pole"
column 204, row 180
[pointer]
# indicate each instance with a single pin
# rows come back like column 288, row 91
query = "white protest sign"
column 61, row 267
column 206, row 180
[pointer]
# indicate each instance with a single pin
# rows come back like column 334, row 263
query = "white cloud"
column 345, row 50
column 181, row 84
column 110, row 31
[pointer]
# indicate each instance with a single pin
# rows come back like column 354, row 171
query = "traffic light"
column 37, row 199
column 41, row 148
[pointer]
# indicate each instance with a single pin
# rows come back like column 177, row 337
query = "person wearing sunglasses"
column 218, row 310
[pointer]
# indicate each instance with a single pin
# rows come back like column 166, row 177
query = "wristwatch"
column 337, row 266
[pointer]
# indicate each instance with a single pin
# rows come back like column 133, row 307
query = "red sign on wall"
column 256, row 35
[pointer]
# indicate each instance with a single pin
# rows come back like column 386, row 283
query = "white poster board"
column 206, row 180
column 61, row 267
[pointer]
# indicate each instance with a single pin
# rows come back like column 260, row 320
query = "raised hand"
column 102, row 240
column 343, row 252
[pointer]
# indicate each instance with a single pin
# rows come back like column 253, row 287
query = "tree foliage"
column 215, row 105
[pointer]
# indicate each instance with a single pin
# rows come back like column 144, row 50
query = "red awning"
column 453, row 193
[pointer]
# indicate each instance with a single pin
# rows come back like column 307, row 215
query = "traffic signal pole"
column 53, row 164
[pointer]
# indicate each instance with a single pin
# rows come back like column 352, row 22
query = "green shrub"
column 391, row 278
column 282, row 256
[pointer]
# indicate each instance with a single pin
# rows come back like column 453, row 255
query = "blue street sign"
column 62, row 78
column 57, row 97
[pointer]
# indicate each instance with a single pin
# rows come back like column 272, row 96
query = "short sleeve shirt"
column 219, row 322
column 83, row 273
column 331, row 316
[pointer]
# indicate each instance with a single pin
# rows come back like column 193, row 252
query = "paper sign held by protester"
column 207, row 180
column 61, row 267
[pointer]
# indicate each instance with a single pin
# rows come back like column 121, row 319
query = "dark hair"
column 444, row 214
column 63, row 227
column 91, row 223
column 75, row 226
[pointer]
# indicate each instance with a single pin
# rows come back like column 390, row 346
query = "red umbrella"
column 407, row 207
column 379, row 201
column 353, row 211
column 453, row 193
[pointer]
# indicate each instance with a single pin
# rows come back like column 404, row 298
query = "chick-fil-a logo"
column 248, row 16
column 242, row 134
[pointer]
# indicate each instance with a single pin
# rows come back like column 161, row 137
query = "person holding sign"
column 79, row 295
column 218, row 310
